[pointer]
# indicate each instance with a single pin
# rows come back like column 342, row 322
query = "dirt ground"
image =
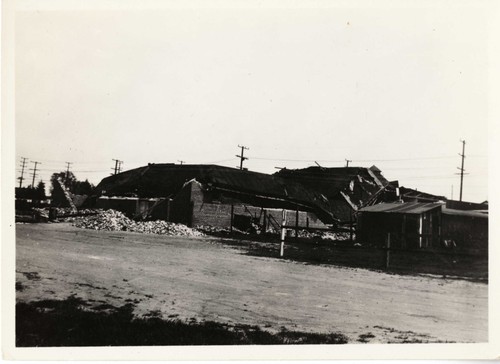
column 201, row 278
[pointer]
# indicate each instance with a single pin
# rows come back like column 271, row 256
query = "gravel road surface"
column 200, row 278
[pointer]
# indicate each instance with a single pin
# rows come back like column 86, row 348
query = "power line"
column 220, row 161
column 355, row 160
column 53, row 162
column 74, row 171
column 22, row 172
column 242, row 158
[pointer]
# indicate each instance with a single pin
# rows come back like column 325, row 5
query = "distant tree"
column 83, row 188
column 68, row 179
column 72, row 184
column 40, row 191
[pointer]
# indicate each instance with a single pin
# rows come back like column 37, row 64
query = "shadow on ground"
column 72, row 322
column 340, row 253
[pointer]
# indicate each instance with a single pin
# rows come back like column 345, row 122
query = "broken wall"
column 194, row 207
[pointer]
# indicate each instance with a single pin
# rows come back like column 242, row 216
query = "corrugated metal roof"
column 403, row 208
column 470, row 213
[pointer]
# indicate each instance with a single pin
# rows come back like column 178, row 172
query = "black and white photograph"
column 311, row 178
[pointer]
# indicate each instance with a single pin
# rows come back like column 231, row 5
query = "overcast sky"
column 394, row 87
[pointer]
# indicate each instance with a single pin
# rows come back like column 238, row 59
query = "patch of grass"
column 364, row 338
column 52, row 323
column 32, row 276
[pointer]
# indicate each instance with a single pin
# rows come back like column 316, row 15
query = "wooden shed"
column 411, row 225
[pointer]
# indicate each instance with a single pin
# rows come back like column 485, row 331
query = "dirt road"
column 203, row 279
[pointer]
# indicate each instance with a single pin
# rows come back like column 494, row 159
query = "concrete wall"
column 181, row 207
column 195, row 207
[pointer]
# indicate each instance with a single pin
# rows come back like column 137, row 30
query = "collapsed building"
column 314, row 198
column 415, row 219
column 198, row 195
column 346, row 188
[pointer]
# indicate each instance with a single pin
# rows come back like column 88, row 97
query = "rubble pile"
column 112, row 220
column 164, row 228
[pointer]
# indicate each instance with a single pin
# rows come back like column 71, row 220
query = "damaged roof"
column 354, row 185
column 483, row 214
column 403, row 208
column 166, row 180
column 409, row 193
column 330, row 181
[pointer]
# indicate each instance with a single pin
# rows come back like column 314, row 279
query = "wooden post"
column 431, row 232
column 264, row 223
column 420, row 226
column 350, row 226
column 388, row 251
column 232, row 214
column 283, row 232
column 403, row 233
column 297, row 223
column 439, row 222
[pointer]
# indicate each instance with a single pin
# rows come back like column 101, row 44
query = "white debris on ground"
column 323, row 235
column 41, row 212
column 68, row 211
column 209, row 229
column 112, row 220
column 337, row 236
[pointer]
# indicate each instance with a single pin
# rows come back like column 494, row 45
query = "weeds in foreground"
column 72, row 322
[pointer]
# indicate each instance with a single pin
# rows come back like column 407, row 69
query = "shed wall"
column 468, row 233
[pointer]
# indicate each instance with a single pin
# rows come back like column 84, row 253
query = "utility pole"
column 347, row 162
column 34, row 174
column 117, row 162
column 22, row 172
column 462, row 168
column 67, row 172
column 242, row 158
column 181, row 162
